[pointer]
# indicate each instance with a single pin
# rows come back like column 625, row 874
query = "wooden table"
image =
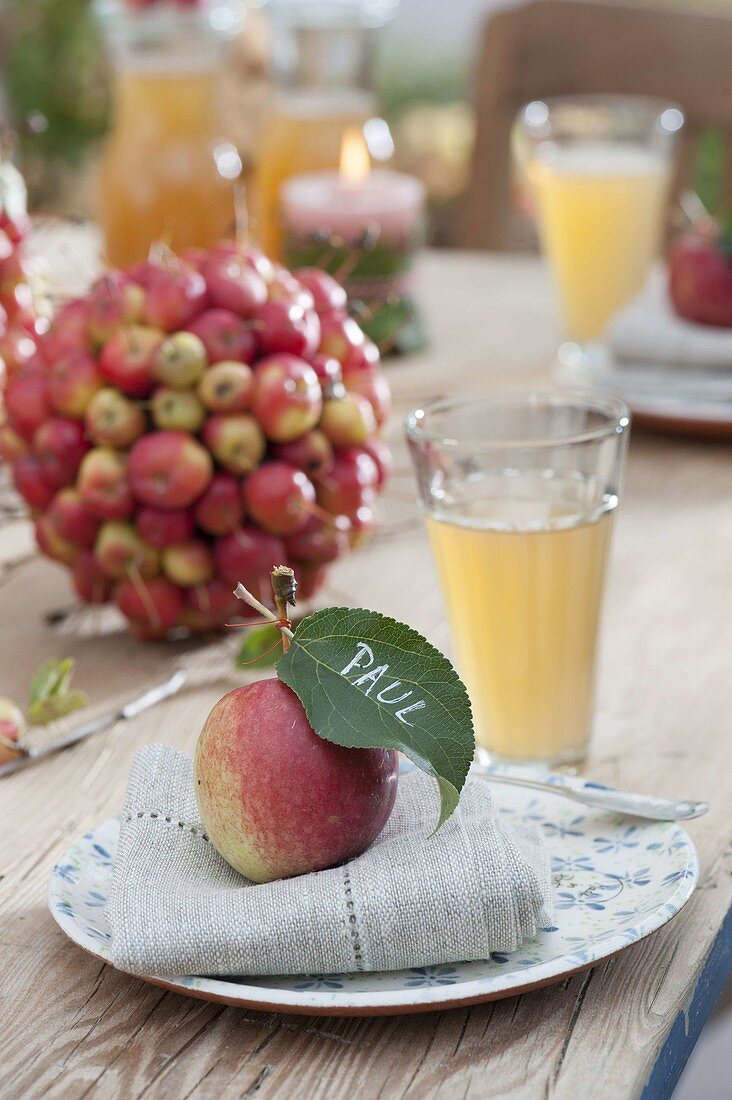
column 73, row 1027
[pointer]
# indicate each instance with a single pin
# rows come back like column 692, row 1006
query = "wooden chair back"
column 562, row 47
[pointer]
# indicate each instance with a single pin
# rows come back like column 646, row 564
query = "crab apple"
column 328, row 370
column 17, row 347
column 287, row 327
column 328, row 294
column 225, row 336
column 154, row 603
column 248, row 554
column 312, row 453
column 366, row 357
column 126, row 359
column 351, row 483
column 284, row 287
column 259, row 262
column 169, row 469
column 347, row 421
column 60, row 445
column 174, row 295
column 319, row 541
column 180, row 360
column 279, row 497
column 90, row 583
column 375, row 388
column 177, row 410
column 69, row 330
column 164, row 528
column 19, row 306
column 71, row 518
column 118, row 549
column 287, row 400
column 233, row 284
column 214, row 598
column 52, row 544
column 276, row 799
column 114, row 300
column 236, row 442
column 103, row 485
column 26, row 399
column 363, row 525
column 227, row 387
column 30, row 482
column 188, row 563
column 219, row 510
column 340, row 337
column 381, row 454
column 12, row 445
column 72, row 382
column 113, row 418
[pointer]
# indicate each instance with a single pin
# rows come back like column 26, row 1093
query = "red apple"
column 340, row 337
column 284, row 287
column 327, row 293
column 188, row 563
column 30, row 482
column 236, row 442
column 52, row 544
column 72, row 519
column 90, row 583
column 700, row 279
column 114, row 300
column 381, row 454
column 175, row 293
column 328, row 370
column 26, row 399
column 177, row 410
column 225, row 336
column 279, row 497
column 214, row 599
column 219, row 510
column 277, row 800
column 248, row 555
column 227, row 387
column 180, row 360
column 375, row 388
column 233, row 284
column 164, row 528
column 12, row 445
column 103, row 484
column 287, row 327
column 347, row 421
column 17, row 348
column 119, row 549
column 72, row 383
column 312, row 453
column 169, row 469
column 60, row 445
column 126, row 359
column 114, row 419
column 351, row 483
column 69, row 330
column 319, row 541
column 154, row 603
column 287, row 400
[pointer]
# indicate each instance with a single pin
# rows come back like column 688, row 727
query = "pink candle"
column 389, row 203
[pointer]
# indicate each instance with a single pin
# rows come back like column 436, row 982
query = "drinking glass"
column 599, row 169
column 519, row 492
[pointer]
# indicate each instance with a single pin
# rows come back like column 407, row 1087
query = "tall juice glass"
column 599, row 168
column 519, row 493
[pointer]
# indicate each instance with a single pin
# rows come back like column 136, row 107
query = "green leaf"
column 368, row 681
column 50, row 694
column 260, row 648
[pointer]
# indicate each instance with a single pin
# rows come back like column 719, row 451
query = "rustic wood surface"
column 72, row 1027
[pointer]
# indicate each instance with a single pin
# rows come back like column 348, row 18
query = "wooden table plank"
column 73, row 1027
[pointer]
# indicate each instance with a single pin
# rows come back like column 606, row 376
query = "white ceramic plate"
column 617, row 879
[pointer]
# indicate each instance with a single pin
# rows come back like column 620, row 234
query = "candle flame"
column 355, row 162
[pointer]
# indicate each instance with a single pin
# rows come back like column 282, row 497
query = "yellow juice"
column 158, row 176
column 523, row 582
column 303, row 135
column 601, row 208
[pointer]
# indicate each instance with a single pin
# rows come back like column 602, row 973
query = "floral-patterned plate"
column 616, row 880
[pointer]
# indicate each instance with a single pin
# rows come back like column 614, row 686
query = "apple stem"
column 241, row 214
column 244, row 594
column 284, row 587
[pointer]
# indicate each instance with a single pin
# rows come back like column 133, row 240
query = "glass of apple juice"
column 519, row 492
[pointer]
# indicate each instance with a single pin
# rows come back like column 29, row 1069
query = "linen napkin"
column 176, row 907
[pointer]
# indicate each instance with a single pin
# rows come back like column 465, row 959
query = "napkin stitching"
column 352, row 920
column 169, row 819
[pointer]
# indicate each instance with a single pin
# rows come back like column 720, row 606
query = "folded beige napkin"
column 177, row 908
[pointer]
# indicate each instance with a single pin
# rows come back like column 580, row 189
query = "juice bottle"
column 167, row 173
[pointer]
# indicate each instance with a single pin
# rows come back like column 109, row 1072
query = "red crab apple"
column 188, row 563
column 72, row 383
column 162, row 528
column 119, row 549
column 213, row 599
column 12, row 445
column 225, row 336
column 374, row 387
column 26, row 399
column 114, row 419
column 72, row 519
column 287, row 399
column 236, row 442
column 60, row 445
column 327, row 293
column 277, row 800
column 154, row 603
column 319, row 541
column 381, row 454
column 127, row 357
column 312, row 453
column 52, row 544
column 177, row 410
column 233, row 284
column 114, row 300
column 219, row 510
column 340, row 337
column 227, row 387
column 350, row 484
column 30, row 483
column 248, row 554
column 180, row 360
column 287, row 327
column 279, row 497
column 69, row 330
column 12, row 728
column 169, row 469
column 90, row 583
column 103, row 485
column 174, row 294
column 347, row 421
column 328, row 370
column 17, row 347
column 700, row 278
column 284, row 287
